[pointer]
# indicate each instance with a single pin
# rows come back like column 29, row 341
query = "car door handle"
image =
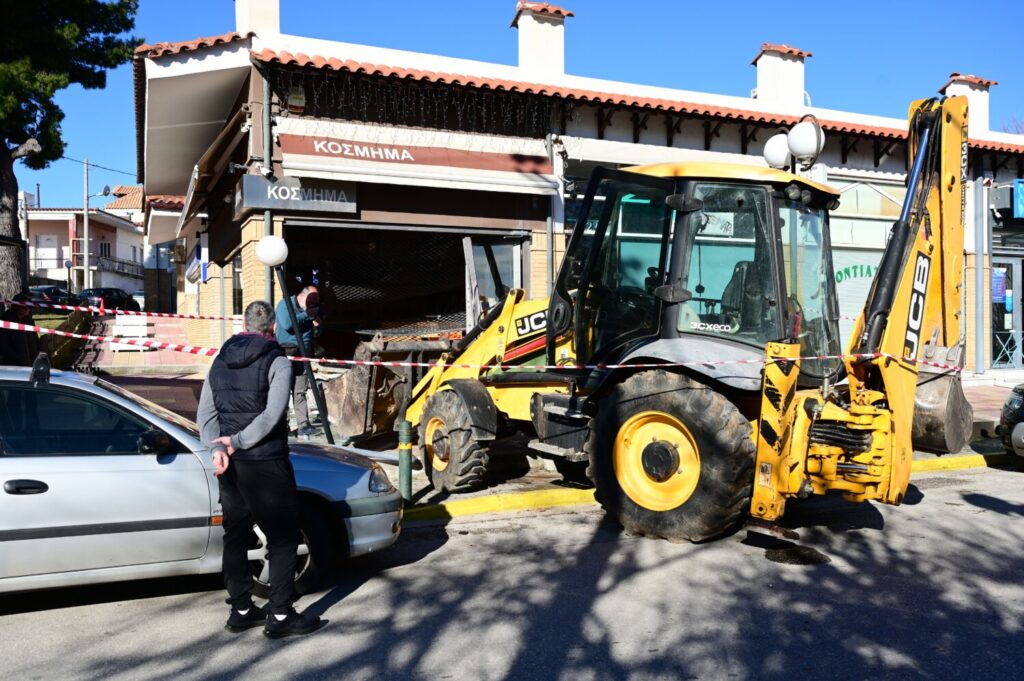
column 25, row 487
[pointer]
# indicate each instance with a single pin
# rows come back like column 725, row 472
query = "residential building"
column 55, row 242
column 389, row 172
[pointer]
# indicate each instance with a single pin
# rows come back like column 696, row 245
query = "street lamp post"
column 272, row 251
column 67, row 265
column 87, row 273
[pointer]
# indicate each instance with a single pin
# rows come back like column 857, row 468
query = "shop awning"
column 208, row 170
column 405, row 156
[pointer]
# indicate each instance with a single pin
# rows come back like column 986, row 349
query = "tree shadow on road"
column 567, row 596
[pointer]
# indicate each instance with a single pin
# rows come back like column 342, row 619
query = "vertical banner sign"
column 1018, row 199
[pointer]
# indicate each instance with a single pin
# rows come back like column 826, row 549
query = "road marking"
column 540, row 499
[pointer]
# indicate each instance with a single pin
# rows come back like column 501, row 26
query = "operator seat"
column 742, row 298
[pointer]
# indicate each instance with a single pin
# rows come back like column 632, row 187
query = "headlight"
column 1015, row 401
column 379, row 483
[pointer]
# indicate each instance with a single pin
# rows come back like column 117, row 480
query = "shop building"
column 413, row 187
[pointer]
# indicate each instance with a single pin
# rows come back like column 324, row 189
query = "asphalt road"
column 931, row 590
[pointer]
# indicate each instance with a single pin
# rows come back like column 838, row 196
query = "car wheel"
column 315, row 555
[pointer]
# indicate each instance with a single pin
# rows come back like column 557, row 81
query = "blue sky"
column 870, row 56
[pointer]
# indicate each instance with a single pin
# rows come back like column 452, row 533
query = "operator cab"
column 737, row 254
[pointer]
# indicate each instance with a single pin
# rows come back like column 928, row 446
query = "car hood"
column 316, row 452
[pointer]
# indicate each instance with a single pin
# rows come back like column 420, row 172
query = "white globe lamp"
column 806, row 140
column 272, row 251
column 776, row 151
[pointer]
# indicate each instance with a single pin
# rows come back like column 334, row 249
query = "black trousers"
column 261, row 492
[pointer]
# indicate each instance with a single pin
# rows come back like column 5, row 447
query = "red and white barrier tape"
column 210, row 352
column 108, row 310
column 158, row 345
column 173, row 315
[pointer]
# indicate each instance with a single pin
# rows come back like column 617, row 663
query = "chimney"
column 976, row 91
column 780, row 75
column 262, row 17
column 541, row 38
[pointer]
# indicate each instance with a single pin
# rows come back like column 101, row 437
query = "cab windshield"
column 728, row 267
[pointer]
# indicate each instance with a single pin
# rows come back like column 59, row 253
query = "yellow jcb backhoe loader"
column 690, row 352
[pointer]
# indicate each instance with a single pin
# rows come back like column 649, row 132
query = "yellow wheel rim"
column 656, row 460
column 435, row 429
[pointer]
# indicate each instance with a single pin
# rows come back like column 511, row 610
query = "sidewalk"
column 987, row 401
column 102, row 357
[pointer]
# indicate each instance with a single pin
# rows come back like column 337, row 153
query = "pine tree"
column 46, row 45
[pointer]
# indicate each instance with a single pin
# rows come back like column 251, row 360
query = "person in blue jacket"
column 307, row 314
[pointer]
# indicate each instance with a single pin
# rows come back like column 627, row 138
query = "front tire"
column 315, row 561
column 671, row 458
column 454, row 460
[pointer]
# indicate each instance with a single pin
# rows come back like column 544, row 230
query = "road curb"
column 500, row 503
column 953, row 463
column 541, row 499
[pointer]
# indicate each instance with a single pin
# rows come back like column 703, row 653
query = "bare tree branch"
column 31, row 146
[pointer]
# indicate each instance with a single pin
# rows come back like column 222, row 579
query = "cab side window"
column 54, row 422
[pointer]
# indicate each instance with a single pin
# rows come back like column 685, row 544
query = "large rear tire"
column 671, row 458
column 454, row 460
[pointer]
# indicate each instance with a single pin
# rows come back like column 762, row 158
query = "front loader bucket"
column 362, row 402
column 943, row 419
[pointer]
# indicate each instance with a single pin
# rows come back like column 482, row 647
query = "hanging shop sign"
column 199, row 260
column 255, row 192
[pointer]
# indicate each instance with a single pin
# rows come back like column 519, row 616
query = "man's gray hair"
column 259, row 317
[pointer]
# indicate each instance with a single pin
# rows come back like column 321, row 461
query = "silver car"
column 100, row 485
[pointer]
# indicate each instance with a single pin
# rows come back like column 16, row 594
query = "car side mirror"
column 154, row 441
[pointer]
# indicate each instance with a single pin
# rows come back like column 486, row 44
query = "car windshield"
column 151, row 407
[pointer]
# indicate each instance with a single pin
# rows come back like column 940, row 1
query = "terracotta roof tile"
column 129, row 197
column 540, row 8
column 967, row 78
column 668, row 105
column 782, row 49
column 1003, row 147
column 162, row 49
column 166, row 201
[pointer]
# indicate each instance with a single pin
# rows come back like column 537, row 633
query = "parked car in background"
column 101, row 485
column 140, row 299
column 110, row 298
column 49, row 293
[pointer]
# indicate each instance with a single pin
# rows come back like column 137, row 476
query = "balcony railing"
column 101, row 262
column 126, row 267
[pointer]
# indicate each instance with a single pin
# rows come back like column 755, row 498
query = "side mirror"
column 154, row 442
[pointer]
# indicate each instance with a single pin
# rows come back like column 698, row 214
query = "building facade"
column 412, row 188
column 56, row 245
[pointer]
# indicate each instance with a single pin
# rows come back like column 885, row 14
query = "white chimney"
column 780, row 75
column 262, row 17
column 976, row 91
column 541, row 38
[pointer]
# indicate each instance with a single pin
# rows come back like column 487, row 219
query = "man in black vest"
column 243, row 414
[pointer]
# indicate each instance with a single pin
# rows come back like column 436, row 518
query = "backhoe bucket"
column 943, row 419
column 362, row 402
